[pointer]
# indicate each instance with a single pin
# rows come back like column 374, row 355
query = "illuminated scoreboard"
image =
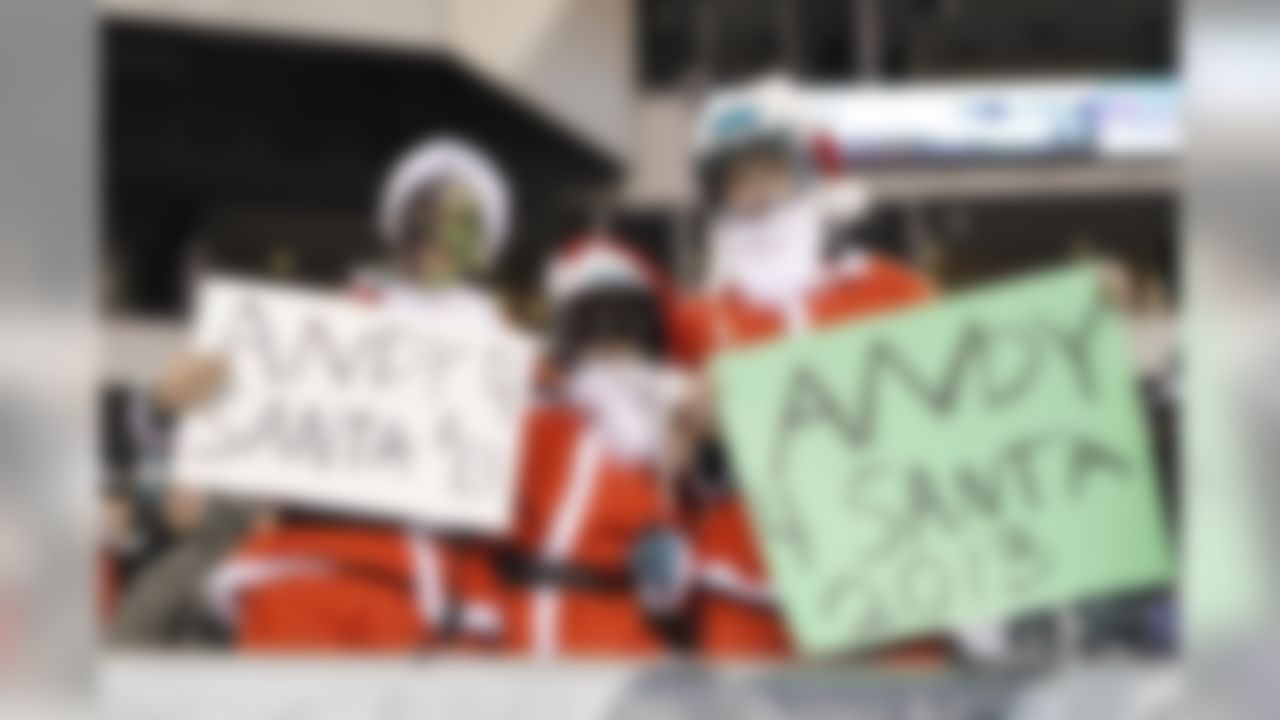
column 1121, row 120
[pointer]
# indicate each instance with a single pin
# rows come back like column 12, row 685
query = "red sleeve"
column 691, row 335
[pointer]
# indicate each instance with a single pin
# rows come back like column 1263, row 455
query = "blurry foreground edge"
column 198, row 688
column 1234, row 342
column 47, row 361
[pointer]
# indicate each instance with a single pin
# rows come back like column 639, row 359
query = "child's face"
column 444, row 243
column 756, row 182
column 611, row 327
column 606, row 350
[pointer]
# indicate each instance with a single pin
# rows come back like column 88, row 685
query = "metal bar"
column 868, row 28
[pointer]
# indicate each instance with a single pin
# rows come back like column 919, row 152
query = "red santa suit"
column 589, row 492
column 331, row 584
column 581, row 511
column 736, row 614
column 108, row 586
column 769, row 278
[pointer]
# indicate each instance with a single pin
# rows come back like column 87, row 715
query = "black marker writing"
column 322, row 438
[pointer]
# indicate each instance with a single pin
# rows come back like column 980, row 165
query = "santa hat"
column 600, row 262
column 769, row 109
column 440, row 159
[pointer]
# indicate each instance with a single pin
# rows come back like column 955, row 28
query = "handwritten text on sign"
column 358, row 409
column 958, row 463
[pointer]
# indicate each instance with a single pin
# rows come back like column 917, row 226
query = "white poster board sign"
column 358, row 409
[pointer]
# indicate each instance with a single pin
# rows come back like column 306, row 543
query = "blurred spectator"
column 771, row 276
column 595, row 565
column 324, row 581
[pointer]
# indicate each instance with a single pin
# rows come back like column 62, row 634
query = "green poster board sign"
column 957, row 463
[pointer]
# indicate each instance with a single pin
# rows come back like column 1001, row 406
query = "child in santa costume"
column 320, row 581
column 773, row 274
column 595, row 566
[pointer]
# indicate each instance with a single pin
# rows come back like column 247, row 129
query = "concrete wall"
column 571, row 58
column 660, row 160
column 401, row 23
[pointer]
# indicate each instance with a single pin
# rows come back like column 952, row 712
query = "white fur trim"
column 853, row 264
column 846, row 201
column 769, row 106
column 480, row 618
column 428, row 578
column 565, row 528
column 224, row 588
column 596, row 266
column 722, row 577
column 435, row 160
